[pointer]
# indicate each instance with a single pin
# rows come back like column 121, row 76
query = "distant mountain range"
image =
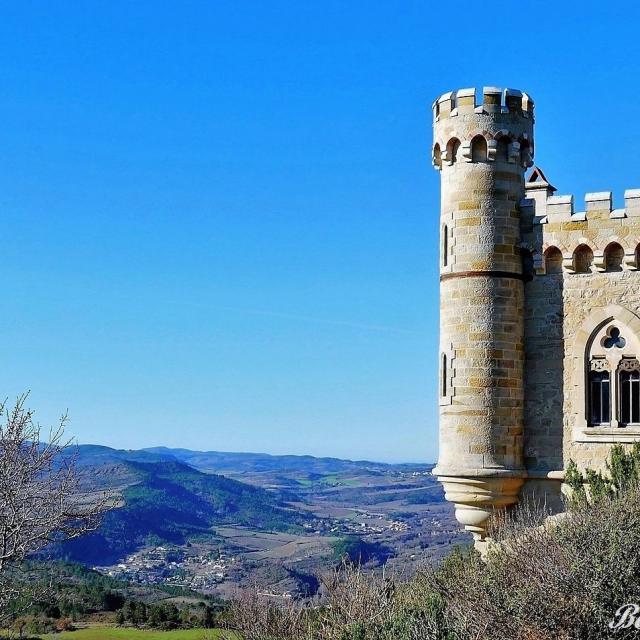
column 234, row 463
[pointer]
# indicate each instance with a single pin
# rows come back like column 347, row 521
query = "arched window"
column 478, row 149
column 445, row 245
column 613, row 377
column 502, row 153
column 613, row 257
column 443, row 374
column 526, row 154
column 452, row 150
column 552, row 260
column 437, row 156
column 582, row 259
column 599, row 397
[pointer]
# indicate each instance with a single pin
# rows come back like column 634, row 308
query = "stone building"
column 539, row 315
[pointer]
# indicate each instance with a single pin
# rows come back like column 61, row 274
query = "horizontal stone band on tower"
column 487, row 274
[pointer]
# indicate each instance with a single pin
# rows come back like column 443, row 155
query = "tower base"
column 477, row 497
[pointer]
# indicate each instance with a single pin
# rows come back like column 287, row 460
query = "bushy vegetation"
column 355, row 550
column 166, row 615
column 623, row 473
column 128, row 633
column 563, row 580
column 73, row 591
column 77, row 593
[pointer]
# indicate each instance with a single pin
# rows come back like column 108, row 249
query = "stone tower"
column 482, row 150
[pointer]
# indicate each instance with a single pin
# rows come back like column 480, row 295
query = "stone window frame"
column 628, row 366
column 446, row 226
column 580, row 359
column 599, row 366
column 448, row 352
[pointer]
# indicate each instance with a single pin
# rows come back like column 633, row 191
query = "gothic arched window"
column 552, row 260
column 599, row 397
column 613, row 377
column 582, row 259
column 613, row 257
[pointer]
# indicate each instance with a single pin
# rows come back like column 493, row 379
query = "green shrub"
column 575, row 481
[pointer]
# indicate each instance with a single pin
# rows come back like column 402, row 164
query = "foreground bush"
column 358, row 606
column 561, row 581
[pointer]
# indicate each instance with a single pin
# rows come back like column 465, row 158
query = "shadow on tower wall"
column 543, row 379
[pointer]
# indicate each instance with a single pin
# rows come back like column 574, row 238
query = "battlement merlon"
column 545, row 208
column 494, row 100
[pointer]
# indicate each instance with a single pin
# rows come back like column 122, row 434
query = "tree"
column 139, row 612
column 42, row 496
column 129, row 611
column 156, row 615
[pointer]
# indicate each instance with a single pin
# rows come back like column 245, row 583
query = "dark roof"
column 537, row 177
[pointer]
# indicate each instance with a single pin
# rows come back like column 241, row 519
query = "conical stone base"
column 477, row 498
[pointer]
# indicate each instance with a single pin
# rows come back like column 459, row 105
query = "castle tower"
column 482, row 151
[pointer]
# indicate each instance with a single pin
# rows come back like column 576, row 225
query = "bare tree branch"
column 42, row 494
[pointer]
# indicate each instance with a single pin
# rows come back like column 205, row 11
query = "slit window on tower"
column 445, row 245
column 630, row 397
column 600, row 397
column 443, row 373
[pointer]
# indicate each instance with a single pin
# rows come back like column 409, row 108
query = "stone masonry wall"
column 558, row 308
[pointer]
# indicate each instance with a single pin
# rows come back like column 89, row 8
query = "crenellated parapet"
column 499, row 128
column 592, row 238
column 494, row 100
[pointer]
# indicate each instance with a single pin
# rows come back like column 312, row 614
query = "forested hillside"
column 170, row 502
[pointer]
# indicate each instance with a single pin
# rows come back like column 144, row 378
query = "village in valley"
column 397, row 512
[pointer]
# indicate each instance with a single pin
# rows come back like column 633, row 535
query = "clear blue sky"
column 219, row 219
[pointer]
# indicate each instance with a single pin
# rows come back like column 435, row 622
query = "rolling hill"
column 169, row 502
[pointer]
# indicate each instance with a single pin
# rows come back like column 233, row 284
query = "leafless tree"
column 42, row 497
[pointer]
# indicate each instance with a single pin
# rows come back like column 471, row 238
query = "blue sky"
column 219, row 219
